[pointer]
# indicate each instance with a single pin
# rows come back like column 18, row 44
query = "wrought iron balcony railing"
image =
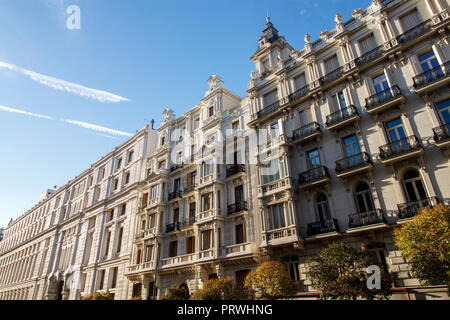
column 299, row 93
column 176, row 167
column 341, row 115
column 313, row 175
column 400, row 146
column 175, row 194
column 366, row 218
column 237, row 207
column 305, row 130
column 234, row 169
column 382, row 97
column 318, row 227
column 268, row 110
column 352, row 162
column 331, row 76
column 415, row 32
column 173, row 226
column 442, row 133
column 409, row 209
column 369, row 56
column 432, row 75
column 189, row 187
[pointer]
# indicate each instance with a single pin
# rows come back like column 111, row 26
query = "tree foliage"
column 175, row 293
column 339, row 272
column 269, row 281
column 425, row 242
column 220, row 289
column 98, row 296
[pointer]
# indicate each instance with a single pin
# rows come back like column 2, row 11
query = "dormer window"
column 210, row 111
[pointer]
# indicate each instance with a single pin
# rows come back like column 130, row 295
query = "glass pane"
column 410, row 192
column 420, row 189
column 282, row 219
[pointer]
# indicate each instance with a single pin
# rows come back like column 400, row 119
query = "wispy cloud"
column 103, row 130
column 302, row 12
column 63, row 85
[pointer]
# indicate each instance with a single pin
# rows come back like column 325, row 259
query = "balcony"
column 306, row 133
column 353, row 165
column 140, row 268
column 268, row 110
column 314, row 177
column 274, row 187
column 176, row 167
column 237, row 207
column 179, row 260
column 342, row 118
column 176, row 226
column 416, row 32
column 189, row 188
column 281, row 236
column 235, row 169
column 432, row 79
column 320, row 228
column 366, row 220
column 409, row 209
column 175, row 195
column 384, row 100
column 400, row 150
column 331, row 76
column 238, row 250
column 369, row 56
column 300, row 93
column 189, row 221
column 442, row 136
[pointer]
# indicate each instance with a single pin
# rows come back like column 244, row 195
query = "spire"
column 270, row 33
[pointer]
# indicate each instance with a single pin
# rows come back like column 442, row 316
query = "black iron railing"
column 369, row 56
column 366, row 218
column 268, row 110
column 442, row 133
column 176, row 167
column 299, row 93
column 331, row 76
column 189, row 187
column 432, row 75
column 173, row 226
column 341, row 115
column 313, row 175
column 304, row 131
column 382, row 97
column 319, row 227
column 415, row 32
column 409, row 209
column 400, row 146
column 237, row 207
column 352, row 162
column 234, row 169
column 191, row 220
column 175, row 194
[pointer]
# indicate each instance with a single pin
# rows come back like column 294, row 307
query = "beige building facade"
column 345, row 139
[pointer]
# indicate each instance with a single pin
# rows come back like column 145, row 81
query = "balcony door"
column 351, row 149
column 396, row 134
column 363, row 197
column 444, row 111
column 176, row 215
column 428, row 61
column 238, row 194
column 313, row 159
column 322, row 209
column 176, row 185
column 381, row 84
column 413, row 185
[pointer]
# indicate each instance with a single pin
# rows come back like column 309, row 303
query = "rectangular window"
column 123, row 209
column 240, row 233
column 190, row 245
column 108, row 240
column 207, row 201
column 235, row 125
column 276, row 216
column 367, row 44
column 211, row 139
column 351, row 146
column 300, row 81
column 162, row 164
column 127, row 178
column 101, row 173
column 265, row 64
column 395, row 130
column 380, row 83
column 305, row 117
column 313, row 159
column 444, row 111
column 331, row 64
column 102, row 280
column 207, row 240
column 410, row 20
column 114, row 272
column 196, row 123
column 173, row 248
column 207, row 168
column 130, row 156
column 119, row 163
column 428, row 61
column 210, row 111
column 119, row 241
column 270, row 98
column 116, row 184
column 152, row 221
column 339, row 101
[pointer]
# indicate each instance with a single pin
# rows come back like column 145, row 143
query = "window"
column 292, row 268
column 313, row 159
column 152, row 219
column 144, row 199
column 210, row 111
column 377, row 251
column 102, row 280
column 196, row 123
column 270, row 98
column 305, row 117
column 111, row 215
column 410, row 20
column 428, row 61
column 101, row 173
column 163, row 140
column 351, row 146
column 300, row 81
column 116, row 184
column 114, row 272
column 127, row 178
column 364, row 201
column 148, row 253
column 207, row 168
column 154, row 191
column 240, row 233
column 395, row 131
column 322, row 208
column 211, row 139
column 173, row 248
column 380, row 82
column 238, row 194
column 176, row 215
column 331, row 64
column 162, row 164
column 130, row 156
column 123, row 209
column 339, row 101
column 235, row 126
column 108, row 240
column 265, row 64
column 413, row 186
column 367, row 44
column 207, row 201
column 207, row 240
column 90, row 181
column 119, row 241
column 190, row 245
column 119, row 163
column 276, row 216
column 444, row 111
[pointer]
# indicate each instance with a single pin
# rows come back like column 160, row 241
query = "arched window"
column 414, row 188
column 322, row 208
column 363, row 196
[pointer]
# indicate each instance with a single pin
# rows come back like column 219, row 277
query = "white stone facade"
column 355, row 124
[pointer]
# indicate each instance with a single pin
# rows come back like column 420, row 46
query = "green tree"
column 220, row 289
column 98, row 296
column 339, row 272
column 425, row 242
column 175, row 293
column 269, row 281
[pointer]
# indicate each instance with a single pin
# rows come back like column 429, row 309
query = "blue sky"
column 153, row 54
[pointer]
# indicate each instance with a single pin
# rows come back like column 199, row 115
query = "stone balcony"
column 306, row 133
column 237, row 250
column 140, row 268
column 280, row 236
column 175, row 226
column 432, row 79
column 175, row 195
column 179, row 260
column 384, row 100
column 235, row 169
column 274, row 187
column 342, row 118
column 442, row 136
column 366, row 221
column 353, row 165
column 399, row 150
column 314, row 177
column 409, row 209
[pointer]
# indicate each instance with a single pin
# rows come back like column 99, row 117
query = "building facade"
column 345, row 139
